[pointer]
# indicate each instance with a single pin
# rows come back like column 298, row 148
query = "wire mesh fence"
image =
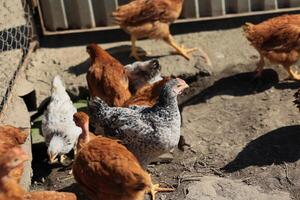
column 16, row 33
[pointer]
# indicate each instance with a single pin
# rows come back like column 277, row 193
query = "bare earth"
column 243, row 132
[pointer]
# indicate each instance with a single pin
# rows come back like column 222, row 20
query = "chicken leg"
column 292, row 74
column 134, row 53
column 260, row 66
column 155, row 189
column 184, row 52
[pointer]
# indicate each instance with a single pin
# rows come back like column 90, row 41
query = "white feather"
column 58, row 120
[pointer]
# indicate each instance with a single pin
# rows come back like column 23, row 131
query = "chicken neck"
column 84, row 138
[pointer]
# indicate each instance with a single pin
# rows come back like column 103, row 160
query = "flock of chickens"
column 132, row 108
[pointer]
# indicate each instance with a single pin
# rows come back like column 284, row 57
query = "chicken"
column 9, row 161
column 276, row 39
column 148, row 95
column 147, row 132
column 58, row 127
column 151, row 19
column 11, row 190
column 12, row 137
column 105, row 169
column 142, row 73
column 107, row 77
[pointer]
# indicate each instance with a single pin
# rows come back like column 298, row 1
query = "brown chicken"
column 107, row 77
column 151, row 19
column 11, row 190
column 148, row 95
column 276, row 39
column 11, row 137
column 105, row 169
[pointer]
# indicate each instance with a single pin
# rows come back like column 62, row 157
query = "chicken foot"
column 63, row 158
column 156, row 188
column 183, row 51
column 134, row 53
column 292, row 74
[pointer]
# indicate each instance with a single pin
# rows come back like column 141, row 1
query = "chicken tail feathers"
column 297, row 99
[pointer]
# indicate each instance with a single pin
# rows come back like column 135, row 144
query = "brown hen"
column 276, row 39
column 11, row 137
column 107, row 77
column 11, row 190
column 105, row 169
column 148, row 95
column 151, row 19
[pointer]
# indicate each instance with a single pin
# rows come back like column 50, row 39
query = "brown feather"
column 148, row 95
column 277, row 39
column 106, row 77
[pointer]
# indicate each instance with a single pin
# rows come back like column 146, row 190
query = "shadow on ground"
column 236, row 84
column 276, row 147
column 40, row 166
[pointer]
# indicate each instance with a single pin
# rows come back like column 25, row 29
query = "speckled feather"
column 147, row 132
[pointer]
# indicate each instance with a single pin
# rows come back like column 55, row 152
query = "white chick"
column 58, row 127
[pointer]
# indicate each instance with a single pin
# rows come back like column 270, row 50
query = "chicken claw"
column 137, row 55
column 134, row 53
column 155, row 189
column 184, row 52
column 63, row 158
column 292, row 74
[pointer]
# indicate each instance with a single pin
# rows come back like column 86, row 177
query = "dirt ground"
column 243, row 132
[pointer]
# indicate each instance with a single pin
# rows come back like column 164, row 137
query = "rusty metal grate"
column 66, row 16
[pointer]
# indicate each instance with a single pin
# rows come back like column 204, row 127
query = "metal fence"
column 65, row 16
column 16, row 32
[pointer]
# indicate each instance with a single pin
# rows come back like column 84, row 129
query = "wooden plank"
column 294, row 3
column 217, row 7
column 103, row 11
column 190, row 9
column 54, row 14
column 201, row 18
column 80, row 13
column 238, row 6
column 270, row 4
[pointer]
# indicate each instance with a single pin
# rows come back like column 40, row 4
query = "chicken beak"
column 52, row 158
column 184, row 86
